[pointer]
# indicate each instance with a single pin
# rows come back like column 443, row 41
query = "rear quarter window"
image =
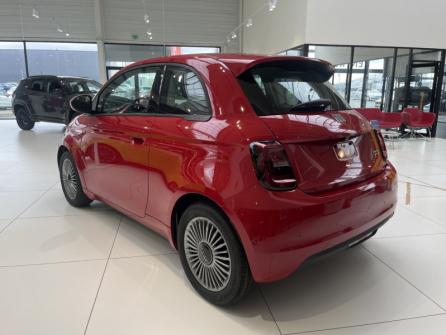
column 37, row 85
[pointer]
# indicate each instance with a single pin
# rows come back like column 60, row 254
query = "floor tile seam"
column 143, row 256
column 53, row 263
column 103, row 275
column 407, row 236
column 269, row 309
column 367, row 324
column 28, row 207
column 423, row 216
column 404, row 278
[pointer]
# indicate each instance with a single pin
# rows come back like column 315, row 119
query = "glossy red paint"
column 144, row 165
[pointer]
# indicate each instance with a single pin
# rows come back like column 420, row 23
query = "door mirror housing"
column 82, row 103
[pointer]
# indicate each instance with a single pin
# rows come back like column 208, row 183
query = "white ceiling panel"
column 204, row 22
column 74, row 16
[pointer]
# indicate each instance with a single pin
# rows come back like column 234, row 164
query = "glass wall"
column 387, row 78
column 179, row 50
column 120, row 55
column 12, row 69
column 340, row 58
column 359, row 73
column 63, row 59
column 401, row 74
column 372, row 71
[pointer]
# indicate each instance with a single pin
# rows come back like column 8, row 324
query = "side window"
column 132, row 92
column 76, row 87
column 93, row 87
column 37, row 85
column 183, row 93
column 54, row 87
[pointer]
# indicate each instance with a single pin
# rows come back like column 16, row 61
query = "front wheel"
column 71, row 183
column 23, row 119
column 212, row 256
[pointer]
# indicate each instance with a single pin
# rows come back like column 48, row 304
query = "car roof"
column 60, row 77
column 237, row 63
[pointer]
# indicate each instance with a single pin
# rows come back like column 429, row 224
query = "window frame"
column 157, row 82
column 161, row 84
column 44, row 81
column 48, row 84
column 163, row 91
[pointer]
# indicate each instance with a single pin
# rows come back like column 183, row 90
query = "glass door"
column 422, row 85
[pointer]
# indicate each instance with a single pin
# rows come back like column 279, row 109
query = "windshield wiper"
column 314, row 105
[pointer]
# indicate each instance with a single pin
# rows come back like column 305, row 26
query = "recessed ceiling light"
column 146, row 18
column 249, row 23
column 272, row 5
column 67, row 34
column 59, row 28
column 36, row 14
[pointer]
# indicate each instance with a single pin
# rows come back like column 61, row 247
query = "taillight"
column 382, row 144
column 272, row 166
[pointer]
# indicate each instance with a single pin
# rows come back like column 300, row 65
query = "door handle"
column 137, row 140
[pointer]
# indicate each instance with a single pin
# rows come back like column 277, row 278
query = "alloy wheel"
column 69, row 179
column 207, row 254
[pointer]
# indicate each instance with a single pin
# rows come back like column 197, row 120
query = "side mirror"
column 81, row 103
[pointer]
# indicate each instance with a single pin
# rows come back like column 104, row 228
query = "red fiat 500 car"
column 248, row 165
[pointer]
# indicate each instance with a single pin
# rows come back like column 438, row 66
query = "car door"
column 180, row 139
column 115, row 144
column 36, row 94
column 55, row 104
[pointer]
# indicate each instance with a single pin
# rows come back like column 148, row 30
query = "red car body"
column 151, row 167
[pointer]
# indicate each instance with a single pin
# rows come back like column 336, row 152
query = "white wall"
column 402, row 23
column 274, row 31
column 405, row 23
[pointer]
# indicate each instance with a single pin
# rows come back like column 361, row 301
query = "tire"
column 23, row 119
column 71, row 183
column 228, row 278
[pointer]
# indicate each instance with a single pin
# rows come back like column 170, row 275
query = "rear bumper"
column 281, row 230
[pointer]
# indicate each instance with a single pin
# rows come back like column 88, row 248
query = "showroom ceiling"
column 170, row 21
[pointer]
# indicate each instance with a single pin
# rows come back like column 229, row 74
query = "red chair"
column 414, row 119
column 386, row 120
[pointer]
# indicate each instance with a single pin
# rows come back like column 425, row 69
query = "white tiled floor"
column 93, row 271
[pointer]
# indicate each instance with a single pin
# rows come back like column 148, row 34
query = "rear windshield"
column 276, row 90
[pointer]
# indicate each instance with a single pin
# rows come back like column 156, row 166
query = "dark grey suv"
column 46, row 98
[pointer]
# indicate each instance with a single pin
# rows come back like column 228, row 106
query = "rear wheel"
column 212, row 256
column 23, row 119
column 71, row 183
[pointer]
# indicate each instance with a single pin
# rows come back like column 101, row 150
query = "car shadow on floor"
column 312, row 290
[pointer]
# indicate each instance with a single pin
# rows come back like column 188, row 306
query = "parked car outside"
column 249, row 165
column 11, row 91
column 46, row 98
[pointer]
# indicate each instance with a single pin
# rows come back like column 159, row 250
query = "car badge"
column 339, row 118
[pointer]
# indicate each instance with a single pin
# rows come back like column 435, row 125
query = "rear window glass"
column 276, row 90
column 37, row 85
